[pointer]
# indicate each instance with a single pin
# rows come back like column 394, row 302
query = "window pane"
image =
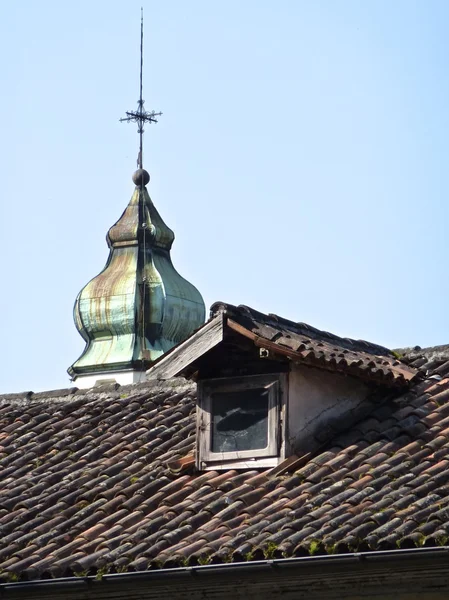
column 239, row 420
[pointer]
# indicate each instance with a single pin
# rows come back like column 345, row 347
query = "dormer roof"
column 285, row 339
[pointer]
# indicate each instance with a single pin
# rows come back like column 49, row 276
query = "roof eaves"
column 430, row 564
column 399, row 376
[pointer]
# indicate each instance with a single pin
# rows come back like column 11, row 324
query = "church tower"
column 138, row 307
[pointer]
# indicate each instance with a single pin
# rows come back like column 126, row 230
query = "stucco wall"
column 317, row 398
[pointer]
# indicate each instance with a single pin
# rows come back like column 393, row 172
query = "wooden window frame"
column 206, row 388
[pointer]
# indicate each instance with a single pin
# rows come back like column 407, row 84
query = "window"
column 239, row 418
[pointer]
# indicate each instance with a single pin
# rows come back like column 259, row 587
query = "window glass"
column 239, row 420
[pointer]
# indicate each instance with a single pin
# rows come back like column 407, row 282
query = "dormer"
column 271, row 389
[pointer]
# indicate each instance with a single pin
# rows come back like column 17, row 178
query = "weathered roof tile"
column 91, row 491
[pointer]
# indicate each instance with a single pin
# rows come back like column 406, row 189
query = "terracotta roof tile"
column 320, row 348
column 94, row 490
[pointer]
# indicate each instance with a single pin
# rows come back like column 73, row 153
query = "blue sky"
column 302, row 161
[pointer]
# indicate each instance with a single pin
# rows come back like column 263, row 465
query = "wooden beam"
column 262, row 342
column 203, row 340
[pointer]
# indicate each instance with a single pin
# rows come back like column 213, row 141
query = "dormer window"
column 239, row 419
column 271, row 390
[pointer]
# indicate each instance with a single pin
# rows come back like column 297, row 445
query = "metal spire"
column 140, row 116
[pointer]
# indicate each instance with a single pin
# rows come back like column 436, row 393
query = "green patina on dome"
column 139, row 306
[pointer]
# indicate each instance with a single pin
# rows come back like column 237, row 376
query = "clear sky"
column 302, row 161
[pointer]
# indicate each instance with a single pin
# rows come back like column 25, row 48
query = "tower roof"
column 139, row 306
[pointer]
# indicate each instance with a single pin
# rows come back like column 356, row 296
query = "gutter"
column 250, row 568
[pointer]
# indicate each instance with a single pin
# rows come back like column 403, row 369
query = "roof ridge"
column 441, row 350
column 54, row 395
column 301, row 328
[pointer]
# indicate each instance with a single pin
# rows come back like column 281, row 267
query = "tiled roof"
column 321, row 348
column 297, row 341
column 102, row 481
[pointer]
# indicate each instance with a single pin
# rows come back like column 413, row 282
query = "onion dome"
column 138, row 307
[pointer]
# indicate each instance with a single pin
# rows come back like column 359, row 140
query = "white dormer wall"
column 309, row 400
column 315, row 398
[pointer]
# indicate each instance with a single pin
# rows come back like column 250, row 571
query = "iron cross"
column 141, row 116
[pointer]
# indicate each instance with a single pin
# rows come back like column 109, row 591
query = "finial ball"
column 141, row 177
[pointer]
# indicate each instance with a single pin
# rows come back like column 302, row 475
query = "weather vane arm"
column 141, row 116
